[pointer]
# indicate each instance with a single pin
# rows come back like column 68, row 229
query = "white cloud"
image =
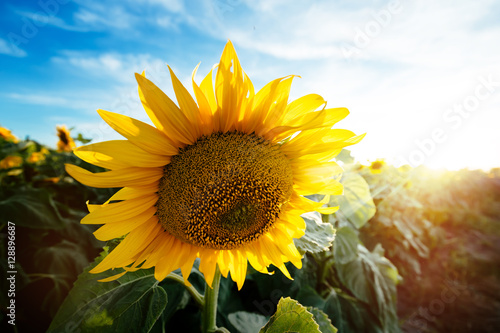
column 112, row 66
column 412, row 68
column 39, row 99
column 40, row 19
column 11, row 49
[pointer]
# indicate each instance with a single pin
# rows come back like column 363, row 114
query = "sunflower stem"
column 194, row 293
column 209, row 315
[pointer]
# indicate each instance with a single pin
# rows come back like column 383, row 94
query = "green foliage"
column 132, row 303
column 291, row 317
column 441, row 230
column 345, row 248
column 31, row 208
column 247, row 322
column 356, row 204
column 324, row 323
column 52, row 247
column 413, row 234
column 319, row 236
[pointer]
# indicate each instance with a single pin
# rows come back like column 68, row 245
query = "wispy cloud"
column 47, row 99
column 40, row 20
column 11, row 49
column 112, row 66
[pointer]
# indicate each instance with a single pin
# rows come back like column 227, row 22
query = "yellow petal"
column 131, row 245
column 186, row 103
column 207, row 88
column 110, row 155
column 278, row 106
column 229, row 88
column 174, row 122
column 134, row 192
column 255, row 259
column 187, row 262
column 141, row 134
column 238, row 268
column 303, row 105
column 118, row 228
column 254, row 120
column 204, row 107
column 132, row 176
column 112, row 278
column 208, row 262
column 331, row 187
column 123, row 210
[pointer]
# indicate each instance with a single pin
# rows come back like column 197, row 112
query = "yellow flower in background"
column 11, row 162
column 222, row 178
column 37, row 156
column 65, row 142
column 7, row 135
column 405, row 168
column 377, row 166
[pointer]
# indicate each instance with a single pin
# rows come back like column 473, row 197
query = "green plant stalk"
column 209, row 314
column 194, row 293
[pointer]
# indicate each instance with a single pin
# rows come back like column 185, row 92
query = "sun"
column 222, row 178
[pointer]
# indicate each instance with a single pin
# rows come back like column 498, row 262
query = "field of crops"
column 415, row 250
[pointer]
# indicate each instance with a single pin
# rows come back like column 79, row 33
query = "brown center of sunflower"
column 62, row 136
column 224, row 190
column 376, row 165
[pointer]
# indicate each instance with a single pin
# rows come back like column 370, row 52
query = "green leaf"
column 319, row 235
column 334, row 310
column 345, row 156
column 290, row 316
column 32, row 208
column 324, row 323
column 247, row 322
column 308, row 296
column 82, row 139
column 132, row 303
column 345, row 247
column 61, row 263
column 356, row 204
column 372, row 279
column 178, row 297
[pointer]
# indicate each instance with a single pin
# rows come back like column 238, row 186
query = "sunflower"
column 7, row 135
column 65, row 142
column 222, row 178
column 377, row 166
column 37, row 156
column 11, row 162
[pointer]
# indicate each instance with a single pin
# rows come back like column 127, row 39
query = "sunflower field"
column 409, row 250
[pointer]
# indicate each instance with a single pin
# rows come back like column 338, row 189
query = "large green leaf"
column 345, row 247
column 132, row 303
column 372, row 279
column 247, row 322
column 324, row 323
column 290, row 316
column 334, row 311
column 319, row 235
column 60, row 263
column 32, row 208
column 356, row 204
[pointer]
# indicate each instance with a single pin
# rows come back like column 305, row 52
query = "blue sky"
column 421, row 79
